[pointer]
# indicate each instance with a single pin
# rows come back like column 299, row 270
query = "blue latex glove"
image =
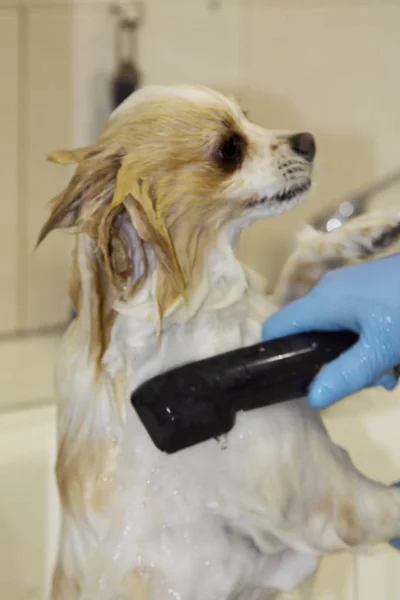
column 363, row 298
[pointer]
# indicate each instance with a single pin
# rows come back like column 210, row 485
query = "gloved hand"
column 363, row 298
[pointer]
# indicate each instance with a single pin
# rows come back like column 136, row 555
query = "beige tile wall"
column 9, row 231
column 36, row 117
column 48, row 125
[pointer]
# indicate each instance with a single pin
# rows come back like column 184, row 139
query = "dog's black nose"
column 304, row 145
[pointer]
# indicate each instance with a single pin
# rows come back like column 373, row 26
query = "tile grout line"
column 55, row 330
column 26, row 407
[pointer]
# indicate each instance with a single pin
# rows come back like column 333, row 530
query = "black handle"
column 199, row 401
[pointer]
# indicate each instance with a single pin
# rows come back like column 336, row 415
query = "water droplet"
column 333, row 224
column 346, row 209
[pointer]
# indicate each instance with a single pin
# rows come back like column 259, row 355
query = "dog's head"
column 173, row 166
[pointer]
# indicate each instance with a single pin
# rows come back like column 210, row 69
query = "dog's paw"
column 319, row 252
column 368, row 234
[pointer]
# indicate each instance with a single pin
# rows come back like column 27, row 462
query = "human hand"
column 363, row 298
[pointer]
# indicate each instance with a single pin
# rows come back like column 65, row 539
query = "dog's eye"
column 231, row 152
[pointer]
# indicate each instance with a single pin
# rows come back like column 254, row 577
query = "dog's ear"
column 131, row 232
column 108, row 199
column 143, row 203
column 88, row 188
column 123, row 251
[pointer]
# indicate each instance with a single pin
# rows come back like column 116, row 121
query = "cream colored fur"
column 247, row 517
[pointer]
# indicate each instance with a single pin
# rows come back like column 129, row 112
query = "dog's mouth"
column 285, row 195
